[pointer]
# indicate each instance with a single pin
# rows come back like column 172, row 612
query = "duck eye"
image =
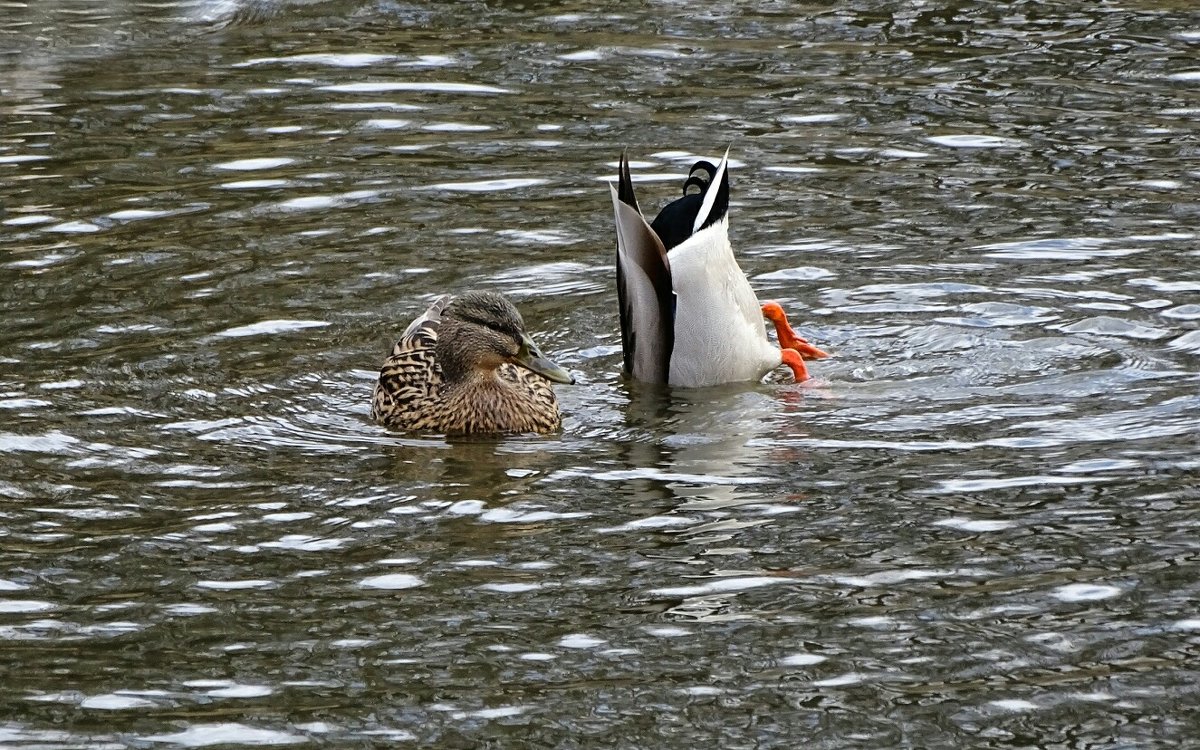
column 508, row 338
column 507, row 331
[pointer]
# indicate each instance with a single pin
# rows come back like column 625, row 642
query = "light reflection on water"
column 975, row 523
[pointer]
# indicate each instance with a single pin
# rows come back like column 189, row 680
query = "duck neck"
column 459, row 363
column 456, row 368
column 462, row 374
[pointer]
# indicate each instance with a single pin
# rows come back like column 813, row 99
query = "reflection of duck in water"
column 688, row 315
column 468, row 366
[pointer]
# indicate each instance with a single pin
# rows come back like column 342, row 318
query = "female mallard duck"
column 467, row 366
column 688, row 315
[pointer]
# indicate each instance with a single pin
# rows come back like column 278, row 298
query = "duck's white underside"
column 720, row 336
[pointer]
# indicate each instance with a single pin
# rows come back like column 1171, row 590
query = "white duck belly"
column 719, row 332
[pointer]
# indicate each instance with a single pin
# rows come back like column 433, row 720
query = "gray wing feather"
column 430, row 318
column 644, row 292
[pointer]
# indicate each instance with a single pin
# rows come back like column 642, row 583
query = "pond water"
column 976, row 527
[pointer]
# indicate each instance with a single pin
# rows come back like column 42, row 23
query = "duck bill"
column 532, row 359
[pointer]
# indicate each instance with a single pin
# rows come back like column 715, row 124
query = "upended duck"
column 467, row 366
column 689, row 317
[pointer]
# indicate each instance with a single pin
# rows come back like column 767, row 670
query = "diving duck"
column 467, row 366
column 688, row 315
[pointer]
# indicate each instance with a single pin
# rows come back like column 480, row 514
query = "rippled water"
column 977, row 527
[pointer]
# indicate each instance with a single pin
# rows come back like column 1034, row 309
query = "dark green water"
column 977, row 527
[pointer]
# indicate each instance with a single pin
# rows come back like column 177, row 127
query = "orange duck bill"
column 794, row 348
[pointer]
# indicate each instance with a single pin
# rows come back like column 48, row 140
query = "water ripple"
column 976, row 520
column 443, row 87
column 206, row 735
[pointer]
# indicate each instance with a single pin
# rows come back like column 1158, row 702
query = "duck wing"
column 428, row 320
column 410, row 375
column 644, row 291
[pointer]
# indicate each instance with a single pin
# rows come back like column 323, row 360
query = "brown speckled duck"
column 467, row 366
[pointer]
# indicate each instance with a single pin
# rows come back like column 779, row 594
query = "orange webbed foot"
column 787, row 337
column 792, row 359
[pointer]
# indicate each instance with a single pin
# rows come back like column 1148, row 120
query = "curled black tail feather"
column 674, row 222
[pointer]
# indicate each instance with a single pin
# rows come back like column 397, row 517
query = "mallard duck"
column 688, row 315
column 467, row 366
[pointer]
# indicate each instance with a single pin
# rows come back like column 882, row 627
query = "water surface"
column 976, row 527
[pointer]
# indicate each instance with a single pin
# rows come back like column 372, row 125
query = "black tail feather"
column 674, row 222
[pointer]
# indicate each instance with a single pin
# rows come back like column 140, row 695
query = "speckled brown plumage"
column 451, row 372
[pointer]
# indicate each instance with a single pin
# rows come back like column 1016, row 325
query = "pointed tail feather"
column 625, row 185
column 716, row 197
